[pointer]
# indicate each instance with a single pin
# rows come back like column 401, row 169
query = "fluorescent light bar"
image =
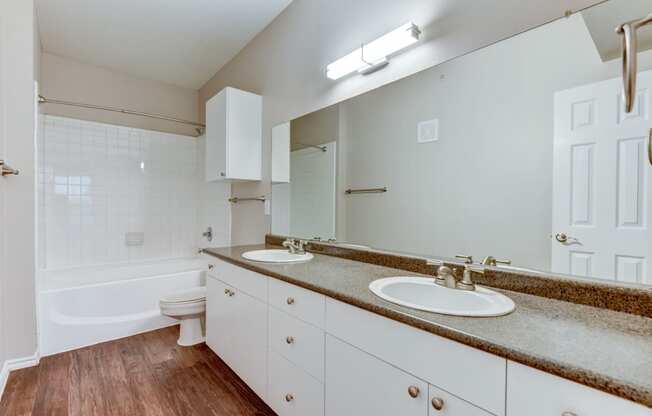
column 375, row 53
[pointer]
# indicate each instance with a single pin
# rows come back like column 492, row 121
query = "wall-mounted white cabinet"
column 234, row 136
column 281, row 153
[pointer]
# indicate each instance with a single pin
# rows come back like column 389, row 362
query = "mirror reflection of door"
column 602, row 179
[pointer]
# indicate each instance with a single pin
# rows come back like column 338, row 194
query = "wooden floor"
column 147, row 374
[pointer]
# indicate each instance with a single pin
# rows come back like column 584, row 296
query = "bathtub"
column 112, row 302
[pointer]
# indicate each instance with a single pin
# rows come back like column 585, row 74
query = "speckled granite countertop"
column 607, row 350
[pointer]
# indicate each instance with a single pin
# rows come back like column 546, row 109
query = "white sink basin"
column 276, row 256
column 424, row 294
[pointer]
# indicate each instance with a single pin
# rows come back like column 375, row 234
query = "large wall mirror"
column 521, row 151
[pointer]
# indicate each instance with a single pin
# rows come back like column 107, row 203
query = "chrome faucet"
column 446, row 276
column 295, row 246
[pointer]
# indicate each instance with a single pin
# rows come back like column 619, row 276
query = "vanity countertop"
column 608, row 350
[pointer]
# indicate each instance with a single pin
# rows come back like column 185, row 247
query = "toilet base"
column 191, row 331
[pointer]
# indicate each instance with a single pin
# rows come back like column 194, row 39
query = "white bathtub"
column 127, row 304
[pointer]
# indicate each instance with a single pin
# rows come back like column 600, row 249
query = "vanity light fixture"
column 373, row 56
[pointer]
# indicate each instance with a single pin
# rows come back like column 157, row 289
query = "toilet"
column 189, row 307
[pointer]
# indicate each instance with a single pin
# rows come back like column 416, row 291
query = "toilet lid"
column 192, row 295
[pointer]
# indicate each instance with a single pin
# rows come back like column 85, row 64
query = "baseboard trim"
column 16, row 364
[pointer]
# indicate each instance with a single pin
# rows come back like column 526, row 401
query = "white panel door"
column 312, row 193
column 601, row 182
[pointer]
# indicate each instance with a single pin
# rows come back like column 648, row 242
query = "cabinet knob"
column 290, row 301
column 222, row 174
column 413, row 391
column 289, row 340
column 210, row 267
column 289, row 397
column 226, row 291
column 437, row 403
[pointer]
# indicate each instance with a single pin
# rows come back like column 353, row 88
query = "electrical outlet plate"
column 428, row 131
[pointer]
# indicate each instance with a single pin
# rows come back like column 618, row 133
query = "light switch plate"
column 428, row 131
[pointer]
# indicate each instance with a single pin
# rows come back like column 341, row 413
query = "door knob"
column 561, row 237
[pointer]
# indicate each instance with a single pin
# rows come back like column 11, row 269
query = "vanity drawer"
column 251, row 283
column 292, row 392
column 297, row 341
column 473, row 375
column 297, row 301
column 556, row 396
column 442, row 403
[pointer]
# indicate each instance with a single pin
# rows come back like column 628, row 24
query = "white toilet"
column 189, row 307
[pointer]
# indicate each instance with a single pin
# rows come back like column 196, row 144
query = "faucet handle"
column 476, row 268
column 467, row 259
column 434, row 262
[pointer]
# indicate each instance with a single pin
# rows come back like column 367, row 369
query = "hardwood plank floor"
column 147, row 374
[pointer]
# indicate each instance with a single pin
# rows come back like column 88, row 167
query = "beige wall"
column 67, row 79
column 322, row 126
column 286, row 62
column 17, row 202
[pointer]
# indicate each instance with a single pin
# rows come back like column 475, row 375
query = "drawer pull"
column 413, row 391
column 210, row 267
column 289, row 397
column 290, row 301
column 437, row 403
column 289, row 340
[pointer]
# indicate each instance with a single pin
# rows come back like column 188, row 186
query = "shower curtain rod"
column 199, row 129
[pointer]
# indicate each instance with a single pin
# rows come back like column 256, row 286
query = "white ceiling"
column 180, row 42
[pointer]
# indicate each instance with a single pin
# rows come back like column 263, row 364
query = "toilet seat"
column 194, row 295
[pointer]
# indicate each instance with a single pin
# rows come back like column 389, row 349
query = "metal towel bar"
column 235, row 200
column 366, row 191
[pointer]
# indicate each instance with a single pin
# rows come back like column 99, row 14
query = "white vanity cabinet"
column 236, row 327
column 233, row 136
column 306, row 354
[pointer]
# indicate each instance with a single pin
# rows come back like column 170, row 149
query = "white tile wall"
column 99, row 182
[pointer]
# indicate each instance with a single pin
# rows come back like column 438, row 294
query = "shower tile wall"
column 102, row 185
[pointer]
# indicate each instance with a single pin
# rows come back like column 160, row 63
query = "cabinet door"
column 532, row 392
column 236, row 330
column 244, row 135
column 249, row 329
column 359, row 384
column 219, row 316
column 215, row 138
